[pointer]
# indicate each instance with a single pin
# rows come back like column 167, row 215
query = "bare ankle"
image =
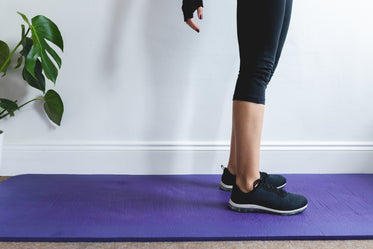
column 247, row 185
column 231, row 169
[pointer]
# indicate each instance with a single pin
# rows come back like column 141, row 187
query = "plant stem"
column 14, row 50
column 1, row 117
column 30, row 101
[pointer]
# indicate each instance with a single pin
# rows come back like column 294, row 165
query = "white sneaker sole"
column 226, row 187
column 257, row 208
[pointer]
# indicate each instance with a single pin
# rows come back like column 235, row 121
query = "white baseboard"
column 182, row 158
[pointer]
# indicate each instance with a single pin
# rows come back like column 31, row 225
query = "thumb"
column 200, row 12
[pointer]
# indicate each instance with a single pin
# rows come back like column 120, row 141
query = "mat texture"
column 66, row 207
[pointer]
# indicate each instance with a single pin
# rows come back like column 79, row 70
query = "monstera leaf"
column 53, row 106
column 4, row 54
column 43, row 29
column 40, row 59
column 39, row 81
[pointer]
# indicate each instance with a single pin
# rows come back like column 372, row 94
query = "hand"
column 188, row 7
column 192, row 23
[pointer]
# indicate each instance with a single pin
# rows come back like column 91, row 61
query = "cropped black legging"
column 262, row 27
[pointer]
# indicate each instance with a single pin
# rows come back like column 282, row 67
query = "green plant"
column 36, row 54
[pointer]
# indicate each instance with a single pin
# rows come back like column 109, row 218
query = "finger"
column 192, row 24
column 200, row 12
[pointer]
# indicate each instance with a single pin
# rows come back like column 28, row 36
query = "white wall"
column 145, row 94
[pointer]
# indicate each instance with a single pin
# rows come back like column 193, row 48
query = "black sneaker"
column 227, row 179
column 267, row 199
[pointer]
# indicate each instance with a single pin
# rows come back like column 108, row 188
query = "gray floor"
column 330, row 244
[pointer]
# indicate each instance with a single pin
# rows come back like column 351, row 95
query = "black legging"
column 262, row 27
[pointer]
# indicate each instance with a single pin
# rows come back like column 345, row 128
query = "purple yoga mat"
column 65, row 207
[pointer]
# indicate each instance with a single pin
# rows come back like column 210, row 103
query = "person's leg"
column 259, row 24
column 284, row 29
column 284, row 32
column 248, row 122
column 250, row 134
column 232, row 154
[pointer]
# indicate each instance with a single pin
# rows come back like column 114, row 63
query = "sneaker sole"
column 246, row 208
column 226, row 187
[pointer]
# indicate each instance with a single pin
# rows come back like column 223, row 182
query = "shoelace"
column 264, row 175
column 268, row 186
